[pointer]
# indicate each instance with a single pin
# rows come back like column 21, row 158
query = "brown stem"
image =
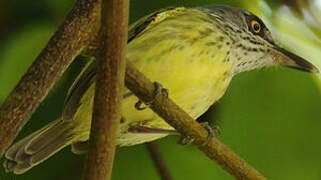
column 109, row 89
column 158, row 160
column 77, row 31
column 188, row 127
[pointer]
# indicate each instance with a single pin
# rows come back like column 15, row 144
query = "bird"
column 193, row 52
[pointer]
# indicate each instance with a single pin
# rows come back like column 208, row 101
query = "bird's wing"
column 78, row 88
column 87, row 76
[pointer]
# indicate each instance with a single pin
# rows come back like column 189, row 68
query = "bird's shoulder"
column 151, row 20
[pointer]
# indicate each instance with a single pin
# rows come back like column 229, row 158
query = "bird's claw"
column 185, row 140
column 212, row 132
column 158, row 90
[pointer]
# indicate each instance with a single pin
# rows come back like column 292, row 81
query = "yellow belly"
column 195, row 75
column 192, row 84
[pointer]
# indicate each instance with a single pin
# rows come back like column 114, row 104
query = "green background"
column 270, row 117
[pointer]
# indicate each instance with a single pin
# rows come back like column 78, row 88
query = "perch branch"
column 109, row 90
column 188, row 127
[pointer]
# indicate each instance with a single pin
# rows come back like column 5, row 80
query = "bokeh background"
column 270, row 117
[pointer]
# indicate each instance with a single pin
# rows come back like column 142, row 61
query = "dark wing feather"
column 77, row 90
column 142, row 24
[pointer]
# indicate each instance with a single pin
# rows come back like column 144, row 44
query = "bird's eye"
column 255, row 26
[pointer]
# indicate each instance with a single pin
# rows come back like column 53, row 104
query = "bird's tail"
column 37, row 147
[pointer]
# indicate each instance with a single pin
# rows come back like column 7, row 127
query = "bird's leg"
column 217, row 130
column 212, row 132
column 158, row 90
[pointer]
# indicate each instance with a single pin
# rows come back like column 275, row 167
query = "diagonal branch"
column 64, row 45
column 109, row 90
column 188, row 127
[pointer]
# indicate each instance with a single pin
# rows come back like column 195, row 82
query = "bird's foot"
column 158, row 90
column 212, row 133
column 185, row 140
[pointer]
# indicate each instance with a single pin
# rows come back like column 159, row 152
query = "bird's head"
column 252, row 43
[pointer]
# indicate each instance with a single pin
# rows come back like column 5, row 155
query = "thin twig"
column 158, row 160
column 77, row 31
column 109, row 90
column 188, row 127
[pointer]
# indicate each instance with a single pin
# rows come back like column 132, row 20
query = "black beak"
column 286, row 58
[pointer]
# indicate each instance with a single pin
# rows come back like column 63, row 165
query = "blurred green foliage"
column 270, row 117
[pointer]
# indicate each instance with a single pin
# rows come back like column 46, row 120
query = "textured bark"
column 109, row 86
column 188, row 127
column 77, row 31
